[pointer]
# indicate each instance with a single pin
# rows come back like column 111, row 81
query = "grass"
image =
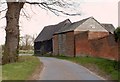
column 26, row 52
column 109, row 69
column 20, row 70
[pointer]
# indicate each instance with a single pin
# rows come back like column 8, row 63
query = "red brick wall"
column 118, row 50
column 104, row 47
column 96, row 35
column 55, row 45
column 81, row 44
column 70, row 44
column 67, row 44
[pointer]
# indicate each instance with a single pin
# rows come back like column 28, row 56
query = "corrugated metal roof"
column 48, row 31
column 109, row 27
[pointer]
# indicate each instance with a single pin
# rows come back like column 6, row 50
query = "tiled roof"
column 109, row 27
column 65, row 26
column 48, row 31
column 72, row 26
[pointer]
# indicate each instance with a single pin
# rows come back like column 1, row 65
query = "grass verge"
column 26, row 52
column 21, row 70
column 108, row 69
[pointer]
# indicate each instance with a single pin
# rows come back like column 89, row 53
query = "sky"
column 105, row 11
column 119, row 13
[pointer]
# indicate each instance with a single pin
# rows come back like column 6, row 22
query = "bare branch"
column 42, row 7
column 48, row 6
column 33, row 3
column 57, row 3
column 3, row 2
column 56, row 10
column 32, row 9
column 2, row 18
column 25, row 14
column 3, row 10
column 3, row 27
column 52, row 9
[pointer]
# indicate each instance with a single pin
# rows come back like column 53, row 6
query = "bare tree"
column 26, row 42
column 12, row 28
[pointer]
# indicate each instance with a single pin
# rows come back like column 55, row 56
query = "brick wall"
column 55, row 45
column 119, row 50
column 104, row 47
column 95, row 35
column 70, row 44
column 81, row 44
column 63, row 44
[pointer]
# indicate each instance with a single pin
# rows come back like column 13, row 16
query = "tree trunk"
column 10, row 54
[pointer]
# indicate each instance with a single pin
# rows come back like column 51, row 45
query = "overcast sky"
column 105, row 11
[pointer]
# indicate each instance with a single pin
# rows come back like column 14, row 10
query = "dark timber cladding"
column 43, row 43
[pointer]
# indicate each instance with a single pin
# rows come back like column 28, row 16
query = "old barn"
column 44, row 43
column 86, row 37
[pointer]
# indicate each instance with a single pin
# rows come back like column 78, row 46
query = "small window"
column 92, row 26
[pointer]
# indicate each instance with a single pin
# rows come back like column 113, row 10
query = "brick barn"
column 86, row 37
column 43, row 43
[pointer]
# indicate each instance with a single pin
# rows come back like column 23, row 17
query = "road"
column 57, row 69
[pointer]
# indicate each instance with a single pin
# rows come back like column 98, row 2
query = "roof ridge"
column 58, row 23
column 64, row 21
column 82, row 20
column 106, row 23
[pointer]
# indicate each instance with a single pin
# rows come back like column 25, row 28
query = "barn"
column 44, row 43
column 84, row 37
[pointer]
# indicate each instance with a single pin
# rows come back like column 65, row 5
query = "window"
column 92, row 26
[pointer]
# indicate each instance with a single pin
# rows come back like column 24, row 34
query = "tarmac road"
column 57, row 69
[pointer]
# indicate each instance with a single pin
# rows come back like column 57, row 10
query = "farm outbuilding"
column 86, row 37
column 44, row 43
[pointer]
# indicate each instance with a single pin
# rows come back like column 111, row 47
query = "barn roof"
column 48, row 31
column 65, row 26
column 72, row 26
column 109, row 27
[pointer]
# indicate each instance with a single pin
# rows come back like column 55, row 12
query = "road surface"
column 57, row 69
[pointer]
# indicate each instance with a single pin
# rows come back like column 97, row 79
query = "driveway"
column 57, row 69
